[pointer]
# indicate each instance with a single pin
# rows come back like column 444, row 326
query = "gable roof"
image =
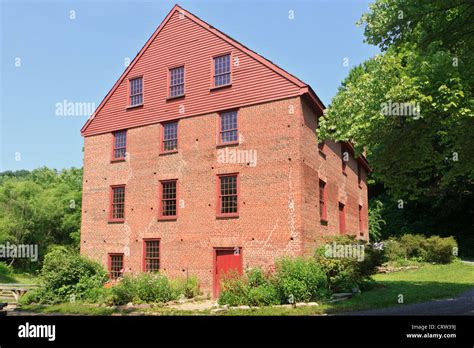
column 305, row 89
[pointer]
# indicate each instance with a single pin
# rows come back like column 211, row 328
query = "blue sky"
column 47, row 57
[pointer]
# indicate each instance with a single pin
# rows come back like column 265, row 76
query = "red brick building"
column 203, row 157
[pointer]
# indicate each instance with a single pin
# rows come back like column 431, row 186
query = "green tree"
column 426, row 62
column 41, row 207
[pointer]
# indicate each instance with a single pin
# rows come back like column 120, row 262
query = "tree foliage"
column 40, row 207
column 426, row 61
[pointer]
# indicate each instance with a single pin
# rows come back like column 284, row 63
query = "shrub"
column 254, row 288
column 418, row 248
column 343, row 274
column 234, row 289
column 440, row 250
column 263, row 295
column 185, row 287
column 66, row 275
column 6, row 272
column 145, row 287
column 394, row 250
column 300, row 280
column 413, row 245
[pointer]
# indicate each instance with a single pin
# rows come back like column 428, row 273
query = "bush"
column 6, row 272
column 254, row 288
column 440, row 250
column 300, row 280
column 145, row 287
column 234, row 289
column 66, row 276
column 263, row 295
column 394, row 250
column 418, row 248
column 344, row 274
column 185, row 287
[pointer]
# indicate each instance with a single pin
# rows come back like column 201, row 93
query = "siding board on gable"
column 182, row 41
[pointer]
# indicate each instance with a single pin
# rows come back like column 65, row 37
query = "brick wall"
column 279, row 211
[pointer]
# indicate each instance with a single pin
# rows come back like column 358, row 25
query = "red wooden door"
column 226, row 260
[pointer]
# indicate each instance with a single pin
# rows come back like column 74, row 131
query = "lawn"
column 18, row 278
column 423, row 284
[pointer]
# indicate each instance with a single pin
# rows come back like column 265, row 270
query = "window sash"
column 228, row 194
column 136, row 91
column 118, row 203
column 170, row 136
column 152, row 256
column 116, row 266
column 177, row 81
column 222, row 70
column 120, row 144
column 322, row 201
column 168, row 198
column 229, row 128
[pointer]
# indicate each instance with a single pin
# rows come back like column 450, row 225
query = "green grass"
column 70, row 309
column 7, row 276
column 423, row 284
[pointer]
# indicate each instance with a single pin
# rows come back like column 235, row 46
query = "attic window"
column 222, row 70
column 136, row 97
column 177, row 81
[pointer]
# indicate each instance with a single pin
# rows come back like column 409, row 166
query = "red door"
column 225, row 260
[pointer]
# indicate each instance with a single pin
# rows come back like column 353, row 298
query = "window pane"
column 118, row 202
column 222, row 70
column 177, row 81
column 116, row 266
column 152, row 256
column 229, row 127
column 170, row 136
column 120, row 143
column 136, row 91
column 168, row 198
column 228, row 194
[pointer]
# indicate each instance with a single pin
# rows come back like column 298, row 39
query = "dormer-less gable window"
column 176, row 82
column 136, row 90
column 222, row 70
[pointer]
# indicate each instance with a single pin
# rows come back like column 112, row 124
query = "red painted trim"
column 213, row 72
column 162, row 217
column 214, row 265
column 324, row 209
column 111, row 195
column 219, row 118
column 118, row 159
column 162, row 140
column 109, row 262
column 342, row 217
column 168, row 81
column 144, row 251
column 129, row 106
column 218, row 192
